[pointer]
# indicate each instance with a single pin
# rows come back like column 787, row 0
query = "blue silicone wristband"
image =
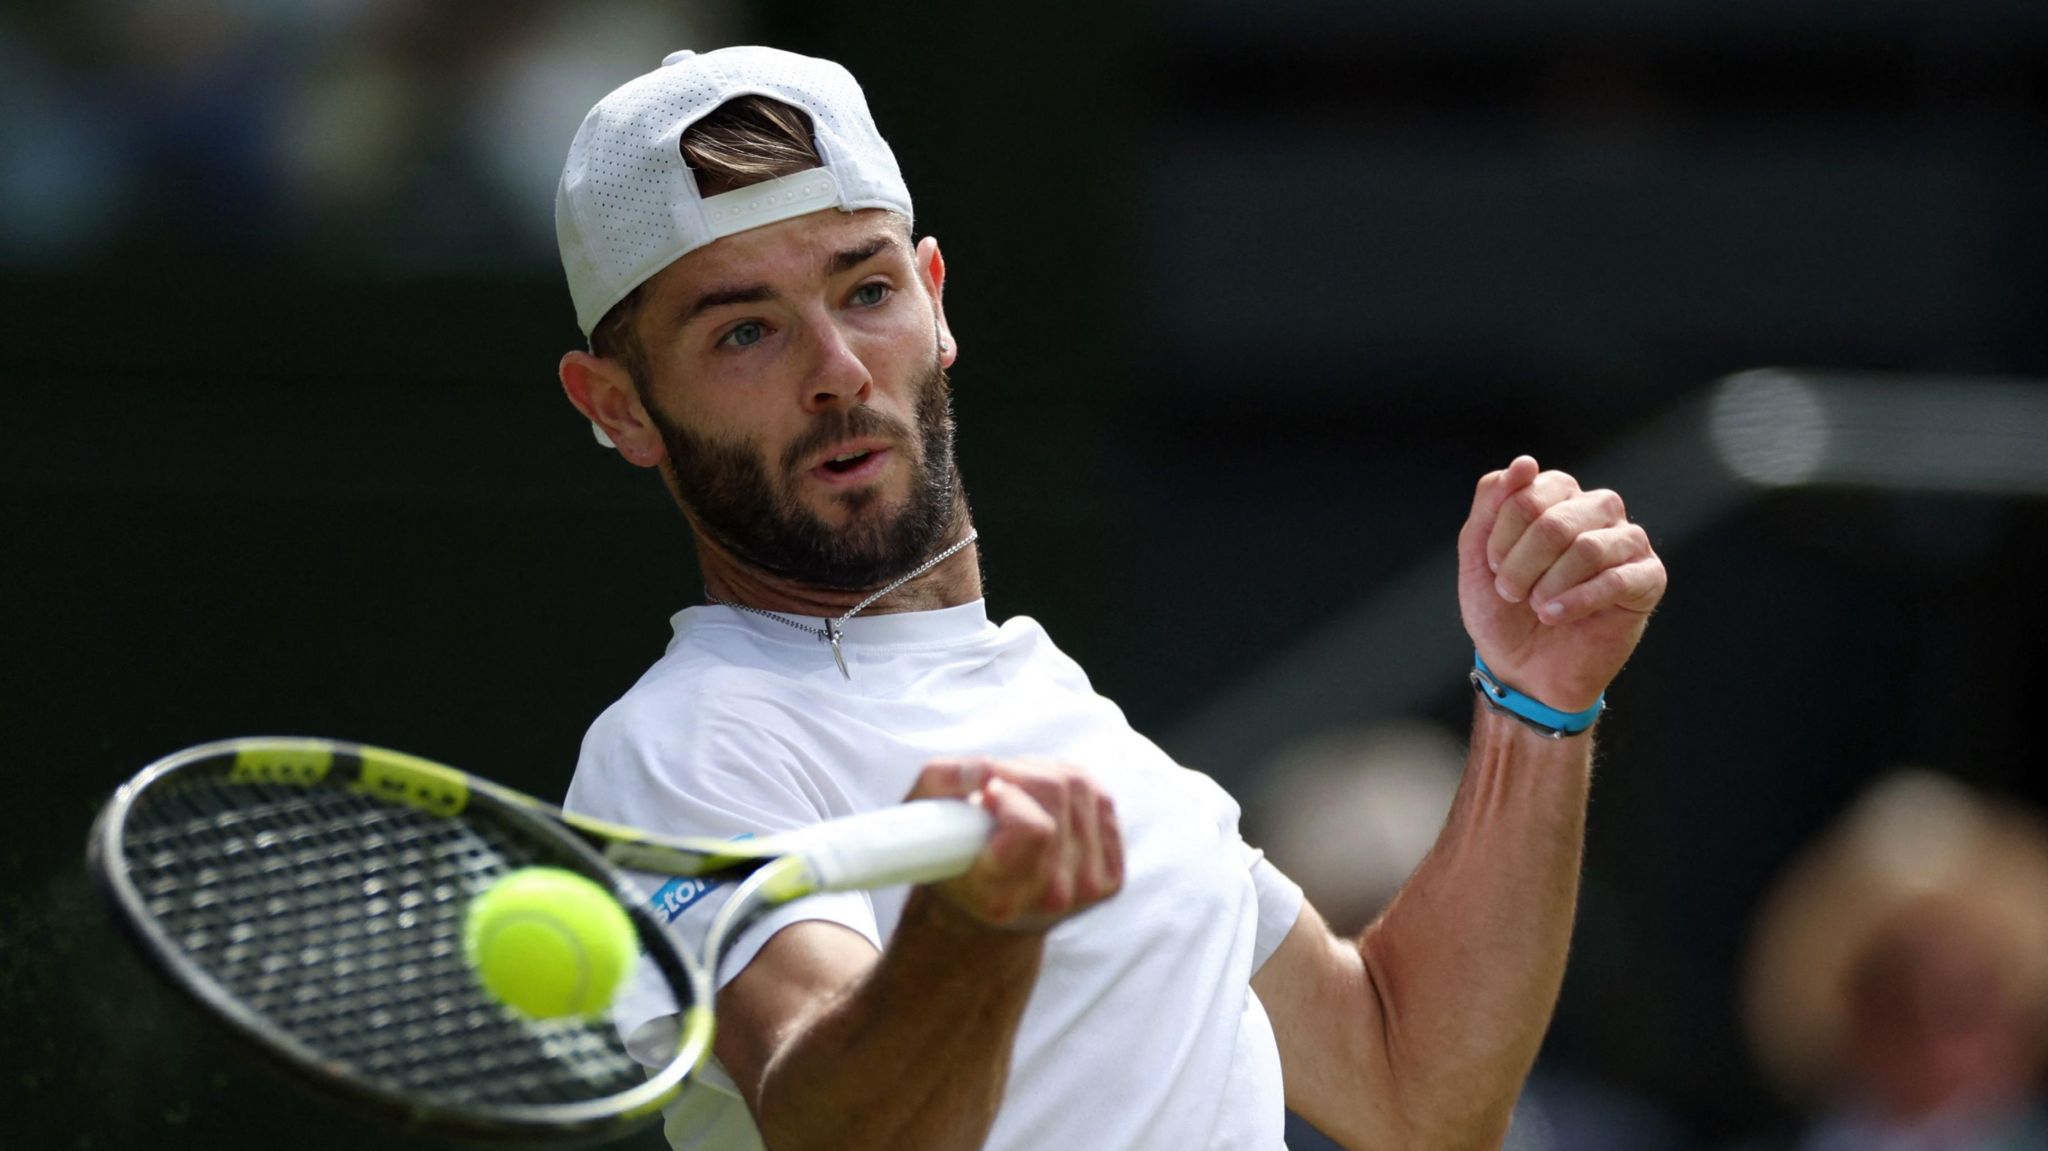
column 1537, row 714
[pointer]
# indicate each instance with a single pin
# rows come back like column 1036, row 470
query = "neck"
column 954, row 581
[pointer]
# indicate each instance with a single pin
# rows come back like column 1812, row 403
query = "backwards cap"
column 628, row 205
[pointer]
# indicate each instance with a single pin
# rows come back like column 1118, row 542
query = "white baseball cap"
column 628, row 204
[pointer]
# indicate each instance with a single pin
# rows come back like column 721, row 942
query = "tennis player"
column 1119, row 970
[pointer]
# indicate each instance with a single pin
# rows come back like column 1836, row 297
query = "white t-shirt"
column 1142, row 1031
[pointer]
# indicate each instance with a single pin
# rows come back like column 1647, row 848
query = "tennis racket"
column 309, row 894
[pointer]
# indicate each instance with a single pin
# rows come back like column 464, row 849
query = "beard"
column 726, row 488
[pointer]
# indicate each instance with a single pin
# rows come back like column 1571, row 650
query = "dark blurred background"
column 1249, row 295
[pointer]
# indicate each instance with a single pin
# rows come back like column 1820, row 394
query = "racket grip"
column 916, row 842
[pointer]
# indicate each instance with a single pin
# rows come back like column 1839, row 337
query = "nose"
column 837, row 375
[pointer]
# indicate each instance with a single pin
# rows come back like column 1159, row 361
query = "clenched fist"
column 1554, row 583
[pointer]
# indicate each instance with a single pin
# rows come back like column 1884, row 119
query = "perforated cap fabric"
column 628, row 205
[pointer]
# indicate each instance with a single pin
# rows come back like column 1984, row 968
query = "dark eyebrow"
column 841, row 261
column 854, row 257
column 720, row 297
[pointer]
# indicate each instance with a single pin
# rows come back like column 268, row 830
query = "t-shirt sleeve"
column 1279, row 898
column 701, row 771
column 1280, row 901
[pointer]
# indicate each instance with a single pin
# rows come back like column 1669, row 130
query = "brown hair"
column 743, row 141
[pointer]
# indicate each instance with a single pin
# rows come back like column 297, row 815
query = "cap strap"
column 770, row 202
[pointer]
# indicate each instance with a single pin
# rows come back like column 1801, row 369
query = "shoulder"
column 691, row 705
column 692, row 747
column 1026, row 640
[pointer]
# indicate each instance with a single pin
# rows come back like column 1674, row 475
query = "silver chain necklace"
column 831, row 632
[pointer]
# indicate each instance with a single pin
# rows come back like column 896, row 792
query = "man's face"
column 794, row 374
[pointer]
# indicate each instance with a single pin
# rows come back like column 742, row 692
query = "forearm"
column 913, row 1054
column 1468, row 960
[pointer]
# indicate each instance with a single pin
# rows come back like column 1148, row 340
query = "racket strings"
column 337, row 919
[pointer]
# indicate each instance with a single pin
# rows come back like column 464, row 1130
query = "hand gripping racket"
column 309, row 894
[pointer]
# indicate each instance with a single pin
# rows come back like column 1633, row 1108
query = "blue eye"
column 870, row 294
column 742, row 335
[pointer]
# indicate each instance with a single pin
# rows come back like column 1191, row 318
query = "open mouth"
column 852, row 465
column 840, row 465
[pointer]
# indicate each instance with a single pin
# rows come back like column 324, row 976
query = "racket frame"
column 559, row 1124
column 916, row 842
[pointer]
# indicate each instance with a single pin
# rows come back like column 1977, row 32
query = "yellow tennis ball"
column 549, row 943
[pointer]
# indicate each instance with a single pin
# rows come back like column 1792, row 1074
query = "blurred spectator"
column 362, row 133
column 1898, row 977
column 1348, row 815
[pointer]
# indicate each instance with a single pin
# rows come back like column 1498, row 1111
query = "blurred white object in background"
column 1776, row 427
column 1348, row 814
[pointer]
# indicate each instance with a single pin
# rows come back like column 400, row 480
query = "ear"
column 931, row 265
column 603, row 391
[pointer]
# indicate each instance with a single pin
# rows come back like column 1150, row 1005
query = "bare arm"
column 1420, row 1032
column 836, row 1046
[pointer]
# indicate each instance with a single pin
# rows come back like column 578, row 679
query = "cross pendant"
column 832, row 637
